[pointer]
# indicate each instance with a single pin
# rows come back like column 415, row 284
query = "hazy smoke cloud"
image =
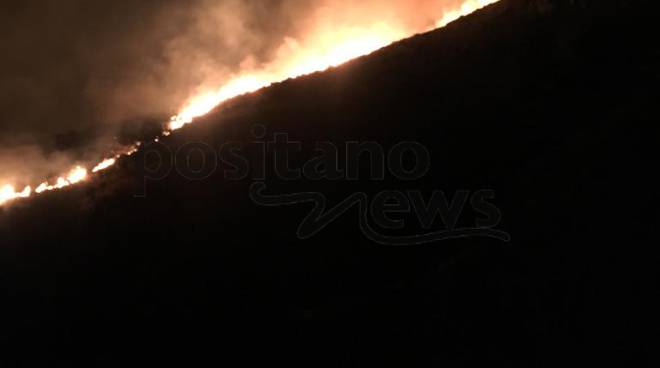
column 75, row 73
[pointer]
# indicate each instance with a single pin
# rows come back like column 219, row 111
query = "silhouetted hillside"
column 552, row 105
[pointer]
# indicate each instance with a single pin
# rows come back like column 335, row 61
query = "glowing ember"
column 104, row 165
column 321, row 51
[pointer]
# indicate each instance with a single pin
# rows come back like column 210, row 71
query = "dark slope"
column 551, row 104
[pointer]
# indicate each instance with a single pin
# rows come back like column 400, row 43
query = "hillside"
column 549, row 104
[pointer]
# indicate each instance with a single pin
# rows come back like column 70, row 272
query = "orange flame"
column 9, row 193
column 76, row 175
column 468, row 7
column 104, row 165
column 331, row 48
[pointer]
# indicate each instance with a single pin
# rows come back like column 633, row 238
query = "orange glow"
column 330, row 49
column 468, row 7
column 76, row 175
column 203, row 104
column 8, row 193
column 334, row 48
column 323, row 49
column 104, row 165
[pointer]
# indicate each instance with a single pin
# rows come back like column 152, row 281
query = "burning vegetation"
column 325, row 46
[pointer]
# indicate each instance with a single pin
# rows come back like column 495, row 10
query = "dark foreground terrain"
column 552, row 105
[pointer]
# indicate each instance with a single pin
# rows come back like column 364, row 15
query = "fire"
column 323, row 50
column 104, row 165
column 76, row 175
column 468, row 7
column 331, row 49
column 203, row 104
column 8, row 193
column 335, row 48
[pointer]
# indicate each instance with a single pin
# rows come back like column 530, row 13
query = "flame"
column 335, row 48
column 319, row 52
column 76, row 175
column 8, row 193
column 202, row 105
column 104, row 165
column 468, row 7
column 332, row 49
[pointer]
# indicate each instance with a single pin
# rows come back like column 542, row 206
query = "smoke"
column 29, row 163
column 77, row 75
